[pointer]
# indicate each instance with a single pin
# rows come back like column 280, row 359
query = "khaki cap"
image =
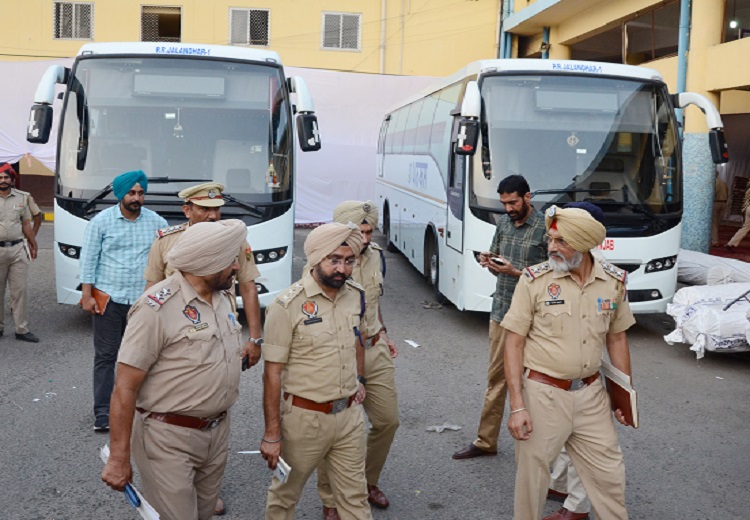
column 207, row 194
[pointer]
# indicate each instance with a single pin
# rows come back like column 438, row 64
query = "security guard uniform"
column 191, row 351
column 315, row 338
column 14, row 258
column 565, row 326
column 381, row 400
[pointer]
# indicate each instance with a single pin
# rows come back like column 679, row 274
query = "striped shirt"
column 522, row 246
column 115, row 251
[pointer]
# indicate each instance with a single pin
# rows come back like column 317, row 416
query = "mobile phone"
column 498, row 261
column 245, row 363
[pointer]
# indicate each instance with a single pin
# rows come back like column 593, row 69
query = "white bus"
column 184, row 114
column 578, row 131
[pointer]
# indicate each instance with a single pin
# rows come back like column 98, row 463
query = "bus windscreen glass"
column 609, row 141
column 182, row 121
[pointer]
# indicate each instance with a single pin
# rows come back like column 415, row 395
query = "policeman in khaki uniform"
column 564, row 311
column 179, row 369
column 14, row 257
column 381, row 403
column 203, row 204
column 313, row 354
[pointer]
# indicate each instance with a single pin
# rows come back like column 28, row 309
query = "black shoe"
column 471, row 452
column 27, row 337
column 101, row 424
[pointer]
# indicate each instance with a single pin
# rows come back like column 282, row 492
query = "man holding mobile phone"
column 518, row 242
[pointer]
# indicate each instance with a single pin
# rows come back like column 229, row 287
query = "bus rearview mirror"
column 40, row 124
column 467, row 137
column 307, row 130
column 718, row 145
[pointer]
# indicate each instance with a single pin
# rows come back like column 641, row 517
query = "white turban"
column 326, row 239
column 208, row 247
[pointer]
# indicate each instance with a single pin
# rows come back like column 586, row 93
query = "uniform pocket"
column 554, row 319
column 204, row 346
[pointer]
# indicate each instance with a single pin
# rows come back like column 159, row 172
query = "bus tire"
column 389, row 245
column 432, row 265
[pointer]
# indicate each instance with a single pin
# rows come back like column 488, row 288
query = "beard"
column 561, row 265
column 133, row 206
column 335, row 280
column 515, row 216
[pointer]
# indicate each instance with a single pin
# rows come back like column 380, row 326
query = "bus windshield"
column 609, row 141
column 182, row 121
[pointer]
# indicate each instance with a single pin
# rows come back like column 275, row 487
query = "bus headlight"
column 73, row 252
column 269, row 255
column 661, row 264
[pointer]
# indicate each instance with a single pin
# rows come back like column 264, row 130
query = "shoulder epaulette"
column 375, row 245
column 354, row 284
column 535, row 271
column 621, row 275
column 155, row 300
column 287, row 296
column 161, row 233
column 379, row 249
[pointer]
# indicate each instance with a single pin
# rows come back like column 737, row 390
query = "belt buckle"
column 576, row 384
column 369, row 343
column 213, row 423
column 339, row 405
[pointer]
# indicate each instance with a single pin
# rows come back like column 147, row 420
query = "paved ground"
column 689, row 459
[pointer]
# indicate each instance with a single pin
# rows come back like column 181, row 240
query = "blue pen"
column 132, row 497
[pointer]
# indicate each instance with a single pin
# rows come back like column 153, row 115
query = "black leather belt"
column 8, row 243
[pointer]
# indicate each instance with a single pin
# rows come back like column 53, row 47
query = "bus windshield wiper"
column 108, row 189
column 255, row 212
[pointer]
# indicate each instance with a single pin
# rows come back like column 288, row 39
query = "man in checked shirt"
column 114, row 254
column 518, row 243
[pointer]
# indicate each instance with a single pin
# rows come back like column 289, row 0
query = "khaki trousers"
column 311, row 437
column 381, row 407
column 582, row 422
column 716, row 215
column 740, row 234
column 14, row 270
column 565, row 479
column 497, row 390
column 181, row 468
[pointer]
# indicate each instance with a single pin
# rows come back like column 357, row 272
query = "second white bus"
column 577, row 131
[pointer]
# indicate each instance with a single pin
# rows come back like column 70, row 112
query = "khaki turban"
column 208, row 247
column 326, row 239
column 356, row 211
column 577, row 227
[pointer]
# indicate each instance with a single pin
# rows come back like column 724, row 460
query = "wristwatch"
column 362, row 380
column 257, row 341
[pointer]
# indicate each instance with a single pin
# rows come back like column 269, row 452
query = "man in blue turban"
column 124, row 182
column 113, row 257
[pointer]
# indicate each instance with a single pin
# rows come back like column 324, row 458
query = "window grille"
column 74, row 21
column 341, row 31
column 161, row 23
column 249, row 26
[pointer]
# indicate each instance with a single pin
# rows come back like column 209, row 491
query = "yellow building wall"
column 421, row 37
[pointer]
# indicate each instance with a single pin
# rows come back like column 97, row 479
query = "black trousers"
column 108, row 331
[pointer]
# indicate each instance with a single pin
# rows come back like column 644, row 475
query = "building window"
column 161, row 24
column 248, row 26
column 74, row 21
column 341, row 31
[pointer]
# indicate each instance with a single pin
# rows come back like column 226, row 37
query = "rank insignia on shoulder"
column 192, row 314
column 533, row 272
column 615, row 272
column 158, row 298
column 354, row 284
column 169, row 230
column 287, row 296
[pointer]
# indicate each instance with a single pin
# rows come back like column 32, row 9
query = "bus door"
column 456, row 183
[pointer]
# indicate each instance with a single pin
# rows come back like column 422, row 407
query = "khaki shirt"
column 313, row 336
column 565, row 325
column 368, row 272
column 190, row 349
column 33, row 207
column 13, row 209
column 157, row 268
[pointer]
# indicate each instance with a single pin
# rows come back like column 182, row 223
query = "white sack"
column 695, row 268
